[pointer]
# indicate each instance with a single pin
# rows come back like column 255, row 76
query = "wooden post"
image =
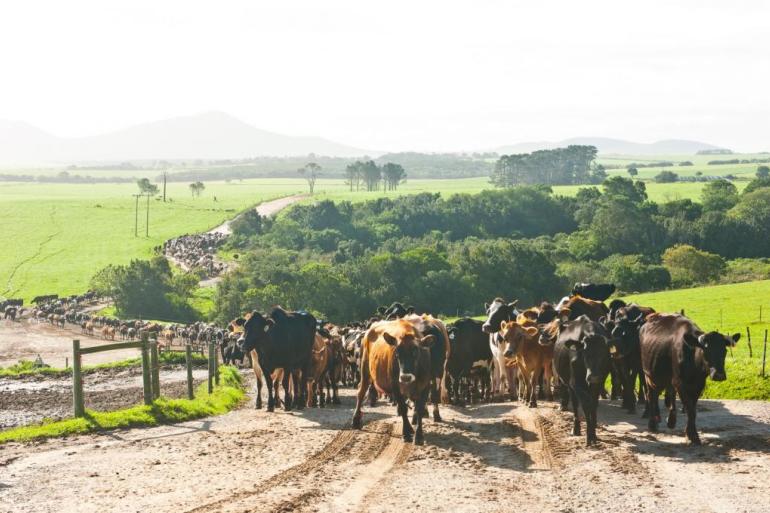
column 216, row 362
column 188, row 362
column 155, row 370
column 764, row 355
column 748, row 337
column 211, row 369
column 66, row 362
column 77, row 381
column 146, row 380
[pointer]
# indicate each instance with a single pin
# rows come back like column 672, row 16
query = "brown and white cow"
column 396, row 360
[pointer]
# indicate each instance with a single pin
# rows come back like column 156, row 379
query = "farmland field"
column 63, row 233
column 729, row 309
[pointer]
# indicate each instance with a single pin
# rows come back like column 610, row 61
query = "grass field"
column 57, row 235
column 728, row 309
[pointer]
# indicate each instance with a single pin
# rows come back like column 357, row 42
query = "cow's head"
column 514, row 335
column 591, row 345
column 714, row 346
column 410, row 347
column 255, row 331
column 498, row 312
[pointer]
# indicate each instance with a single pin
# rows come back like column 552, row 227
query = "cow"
column 470, row 359
column 396, row 360
column 316, row 372
column 581, row 363
column 597, row 292
column 10, row 312
column 395, row 311
column 523, row 349
column 497, row 312
column 352, row 344
column 335, row 367
column 439, row 350
column 284, row 340
column 677, row 356
column 624, row 324
column 235, row 327
column 578, row 305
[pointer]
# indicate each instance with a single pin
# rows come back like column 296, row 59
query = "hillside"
column 212, row 135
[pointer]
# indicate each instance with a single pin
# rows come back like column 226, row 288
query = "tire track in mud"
column 346, row 445
column 539, row 439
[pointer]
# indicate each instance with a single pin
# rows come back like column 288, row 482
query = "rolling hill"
column 617, row 146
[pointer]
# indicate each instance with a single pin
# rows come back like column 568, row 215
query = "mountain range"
column 216, row 135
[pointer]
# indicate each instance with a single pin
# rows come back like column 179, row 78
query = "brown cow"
column 236, row 327
column 523, row 349
column 319, row 363
column 678, row 356
column 396, row 360
column 578, row 306
column 425, row 325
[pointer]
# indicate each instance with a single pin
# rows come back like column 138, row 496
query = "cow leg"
column 363, row 387
column 270, row 393
column 459, row 401
column 259, row 393
column 576, row 411
column 421, row 400
column 510, row 376
column 300, row 387
column 590, row 403
column 534, row 378
column 642, row 386
column 311, row 397
column 336, row 396
column 372, row 396
column 653, row 408
column 690, row 401
column 616, row 379
column 671, row 403
column 434, row 398
column 406, row 429
column 487, row 384
column 287, row 397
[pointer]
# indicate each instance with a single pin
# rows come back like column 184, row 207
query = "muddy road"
column 485, row 458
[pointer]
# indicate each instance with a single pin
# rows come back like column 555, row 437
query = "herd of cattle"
column 568, row 349
column 196, row 252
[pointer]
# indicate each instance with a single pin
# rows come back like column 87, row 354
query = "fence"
column 150, row 369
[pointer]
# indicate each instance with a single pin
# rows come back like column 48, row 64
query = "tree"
column 196, row 188
column 353, row 175
column 763, row 172
column 310, row 171
column 145, row 187
column 394, row 174
column 666, row 177
column 756, row 183
column 372, row 175
column 632, row 171
column 618, row 186
column 689, row 265
column 719, row 195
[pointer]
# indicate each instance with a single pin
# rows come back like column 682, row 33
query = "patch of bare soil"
column 483, row 458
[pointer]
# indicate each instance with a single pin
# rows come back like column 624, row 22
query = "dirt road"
column 487, row 458
column 266, row 209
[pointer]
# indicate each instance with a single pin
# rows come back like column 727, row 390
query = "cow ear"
column 735, row 338
column 513, row 303
column 269, row 323
column 390, row 339
column 428, row 341
column 486, row 306
column 503, row 325
column 531, row 331
column 702, row 342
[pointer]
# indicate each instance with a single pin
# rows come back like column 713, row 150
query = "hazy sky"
column 424, row 75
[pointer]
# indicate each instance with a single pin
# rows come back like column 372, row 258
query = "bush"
column 689, row 266
column 719, row 195
column 666, row 177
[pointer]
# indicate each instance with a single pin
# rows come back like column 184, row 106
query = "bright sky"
column 418, row 74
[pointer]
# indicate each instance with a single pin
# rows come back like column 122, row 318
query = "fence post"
column 760, row 313
column 146, row 381
column 748, row 336
column 77, row 381
column 188, row 362
column 216, row 363
column 211, row 368
column 154, row 366
column 764, row 355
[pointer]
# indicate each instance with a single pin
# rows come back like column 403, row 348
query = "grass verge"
column 224, row 398
column 27, row 367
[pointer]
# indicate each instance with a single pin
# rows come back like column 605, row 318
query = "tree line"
column 562, row 166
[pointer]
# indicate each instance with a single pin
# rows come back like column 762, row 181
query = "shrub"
column 689, row 265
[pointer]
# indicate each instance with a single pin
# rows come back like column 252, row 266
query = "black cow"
column 395, row 311
column 595, row 291
column 470, row 359
column 10, row 312
column 282, row 340
column 497, row 312
column 678, row 356
column 581, row 363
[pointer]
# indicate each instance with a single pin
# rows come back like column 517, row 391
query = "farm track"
column 481, row 459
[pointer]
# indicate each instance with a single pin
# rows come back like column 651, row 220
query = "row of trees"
column 562, row 166
column 367, row 174
column 147, row 187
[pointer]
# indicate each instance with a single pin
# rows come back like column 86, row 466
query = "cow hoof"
column 532, row 404
column 414, row 420
column 436, row 417
column 271, row 409
column 671, row 422
column 408, row 438
column 652, row 426
column 419, row 441
column 336, row 401
column 357, row 422
column 575, row 431
column 694, row 441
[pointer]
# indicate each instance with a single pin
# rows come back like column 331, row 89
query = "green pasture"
column 728, row 309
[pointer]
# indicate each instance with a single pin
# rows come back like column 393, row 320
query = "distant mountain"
column 618, row 146
column 212, row 135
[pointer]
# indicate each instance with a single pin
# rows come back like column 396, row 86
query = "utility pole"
column 136, row 215
column 147, row 227
column 165, row 174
